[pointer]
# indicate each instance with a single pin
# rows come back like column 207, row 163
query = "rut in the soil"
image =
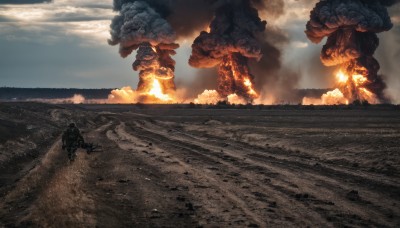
column 232, row 175
column 155, row 173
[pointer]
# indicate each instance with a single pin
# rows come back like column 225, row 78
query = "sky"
column 63, row 44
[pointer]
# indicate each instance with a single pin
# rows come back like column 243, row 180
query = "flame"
column 151, row 91
column 341, row 77
column 156, row 91
column 355, row 86
column 213, row 97
column 359, row 80
column 235, row 83
column 235, row 99
column 156, row 79
column 208, row 97
column 334, row 97
column 234, row 78
column 125, row 95
column 250, row 88
column 352, row 81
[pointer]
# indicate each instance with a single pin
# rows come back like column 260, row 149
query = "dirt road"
column 217, row 168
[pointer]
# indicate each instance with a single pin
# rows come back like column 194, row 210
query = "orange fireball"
column 352, row 85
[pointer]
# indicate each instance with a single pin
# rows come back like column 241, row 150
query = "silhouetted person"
column 72, row 140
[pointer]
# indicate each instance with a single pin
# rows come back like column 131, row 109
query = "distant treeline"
column 7, row 93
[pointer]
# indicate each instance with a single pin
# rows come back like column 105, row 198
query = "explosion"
column 139, row 26
column 355, row 85
column 208, row 97
column 234, row 77
column 236, row 40
column 156, row 77
column 351, row 28
column 229, row 43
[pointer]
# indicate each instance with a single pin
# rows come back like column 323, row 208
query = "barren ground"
column 175, row 166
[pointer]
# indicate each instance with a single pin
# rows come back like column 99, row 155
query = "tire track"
column 225, row 196
column 190, row 149
column 284, row 166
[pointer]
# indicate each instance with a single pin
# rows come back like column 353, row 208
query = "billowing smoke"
column 351, row 27
column 236, row 42
column 156, row 63
column 137, row 24
column 229, row 44
column 389, row 55
column 140, row 26
column 233, row 30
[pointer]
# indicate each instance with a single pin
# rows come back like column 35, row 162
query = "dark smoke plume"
column 271, row 75
column 389, row 55
column 153, row 26
column 233, row 30
column 351, row 27
column 141, row 25
column 231, row 41
column 165, row 19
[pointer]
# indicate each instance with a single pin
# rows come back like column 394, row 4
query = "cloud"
column 87, row 33
column 23, row 1
column 299, row 44
column 294, row 11
column 54, row 13
column 4, row 19
column 97, row 5
column 60, row 63
column 50, row 23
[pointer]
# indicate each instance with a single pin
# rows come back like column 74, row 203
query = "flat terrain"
column 180, row 166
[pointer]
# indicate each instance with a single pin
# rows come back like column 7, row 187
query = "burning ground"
column 169, row 166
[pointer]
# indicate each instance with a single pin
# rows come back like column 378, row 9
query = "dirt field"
column 179, row 166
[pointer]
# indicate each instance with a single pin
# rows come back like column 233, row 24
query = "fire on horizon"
column 351, row 28
column 234, row 37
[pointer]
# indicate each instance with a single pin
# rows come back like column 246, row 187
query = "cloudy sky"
column 63, row 43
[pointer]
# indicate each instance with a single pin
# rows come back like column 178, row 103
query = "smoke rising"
column 389, row 55
column 351, row 28
column 203, row 79
column 237, row 41
column 138, row 23
column 262, row 50
column 76, row 99
column 234, row 40
column 142, row 25
column 233, row 30
column 231, row 41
